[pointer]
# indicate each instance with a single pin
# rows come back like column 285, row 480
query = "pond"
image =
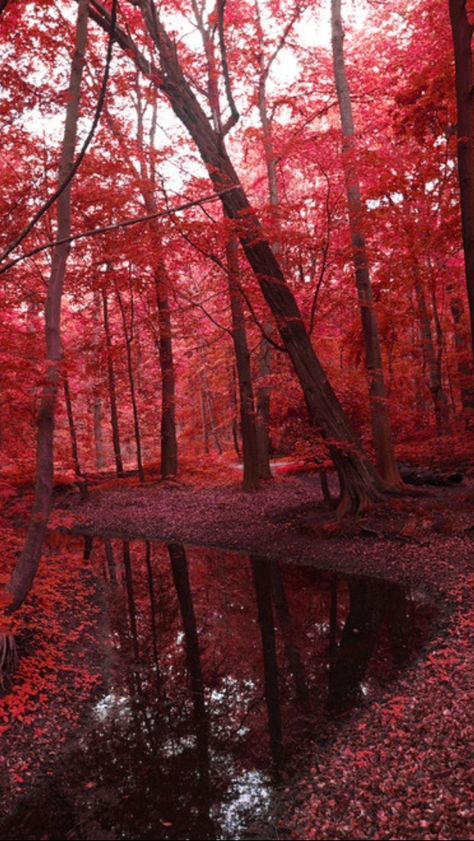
column 222, row 674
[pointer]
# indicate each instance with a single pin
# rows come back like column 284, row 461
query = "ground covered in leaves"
column 399, row 768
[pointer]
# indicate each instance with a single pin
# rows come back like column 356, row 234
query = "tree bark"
column 463, row 359
column 462, row 30
column 381, row 426
column 169, row 444
column 244, row 373
column 25, row 570
column 128, row 335
column 361, row 484
column 112, row 390
column 432, row 364
column 80, row 479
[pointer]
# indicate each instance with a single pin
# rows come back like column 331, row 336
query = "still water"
column 222, row 674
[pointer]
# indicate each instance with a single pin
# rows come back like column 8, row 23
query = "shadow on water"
column 218, row 670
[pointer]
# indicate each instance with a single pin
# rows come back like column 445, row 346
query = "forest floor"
column 400, row 768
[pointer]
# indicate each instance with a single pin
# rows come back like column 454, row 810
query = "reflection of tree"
column 179, row 567
column 153, row 616
column 286, row 625
column 110, row 561
column 370, row 602
column 262, row 579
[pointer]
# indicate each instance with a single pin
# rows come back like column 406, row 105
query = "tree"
column 360, row 482
column 382, row 430
column 462, row 27
column 25, row 570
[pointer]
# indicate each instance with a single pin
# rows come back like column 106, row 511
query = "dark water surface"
column 220, row 670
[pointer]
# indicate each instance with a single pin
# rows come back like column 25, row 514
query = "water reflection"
column 218, row 668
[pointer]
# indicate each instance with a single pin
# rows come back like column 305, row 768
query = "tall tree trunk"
column 96, row 389
column 25, row 570
column 112, row 389
column 146, row 183
column 244, row 373
column 382, row 430
column 169, row 444
column 80, row 479
column 128, row 335
column 463, row 359
column 432, row 367
column 209, row 422
column 462, row 31
column 360, row 482
column 233, row 407
column 265, row 353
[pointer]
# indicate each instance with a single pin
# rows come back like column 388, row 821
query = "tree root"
column 8, row 660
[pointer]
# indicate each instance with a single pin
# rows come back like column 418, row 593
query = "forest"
column 237, row 419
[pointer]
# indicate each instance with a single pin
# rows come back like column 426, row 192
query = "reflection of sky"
column 250, row 799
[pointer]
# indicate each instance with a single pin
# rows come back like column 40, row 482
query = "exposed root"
column 8, row 660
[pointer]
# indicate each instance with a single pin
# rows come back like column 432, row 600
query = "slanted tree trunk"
column 462, row 31
column 244, row 373
column 360, row 482
column 112, row 389
column 25, row 570
column 381, row 426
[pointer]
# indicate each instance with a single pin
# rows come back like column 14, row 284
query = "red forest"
column 237, row 312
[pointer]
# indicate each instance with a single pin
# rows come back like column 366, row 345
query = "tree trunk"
column 96, row 388
column 233, row 406
column 128, row 335
column 265, row 353
column 73, row 433
column 112, row 390
column 265, row 357
column 25, row 570
column 463, row 359
column 360, row 482
column 462, row 31
column 169, row 444
column 382, row 430
column 244, row 373
column 432, row 365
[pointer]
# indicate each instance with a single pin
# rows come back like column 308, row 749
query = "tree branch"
column 100, row 103
column 105, row 229
column 234, row 114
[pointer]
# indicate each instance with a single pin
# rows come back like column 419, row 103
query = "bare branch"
column 234, row 114
column 105, row 229
column 100, row 103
